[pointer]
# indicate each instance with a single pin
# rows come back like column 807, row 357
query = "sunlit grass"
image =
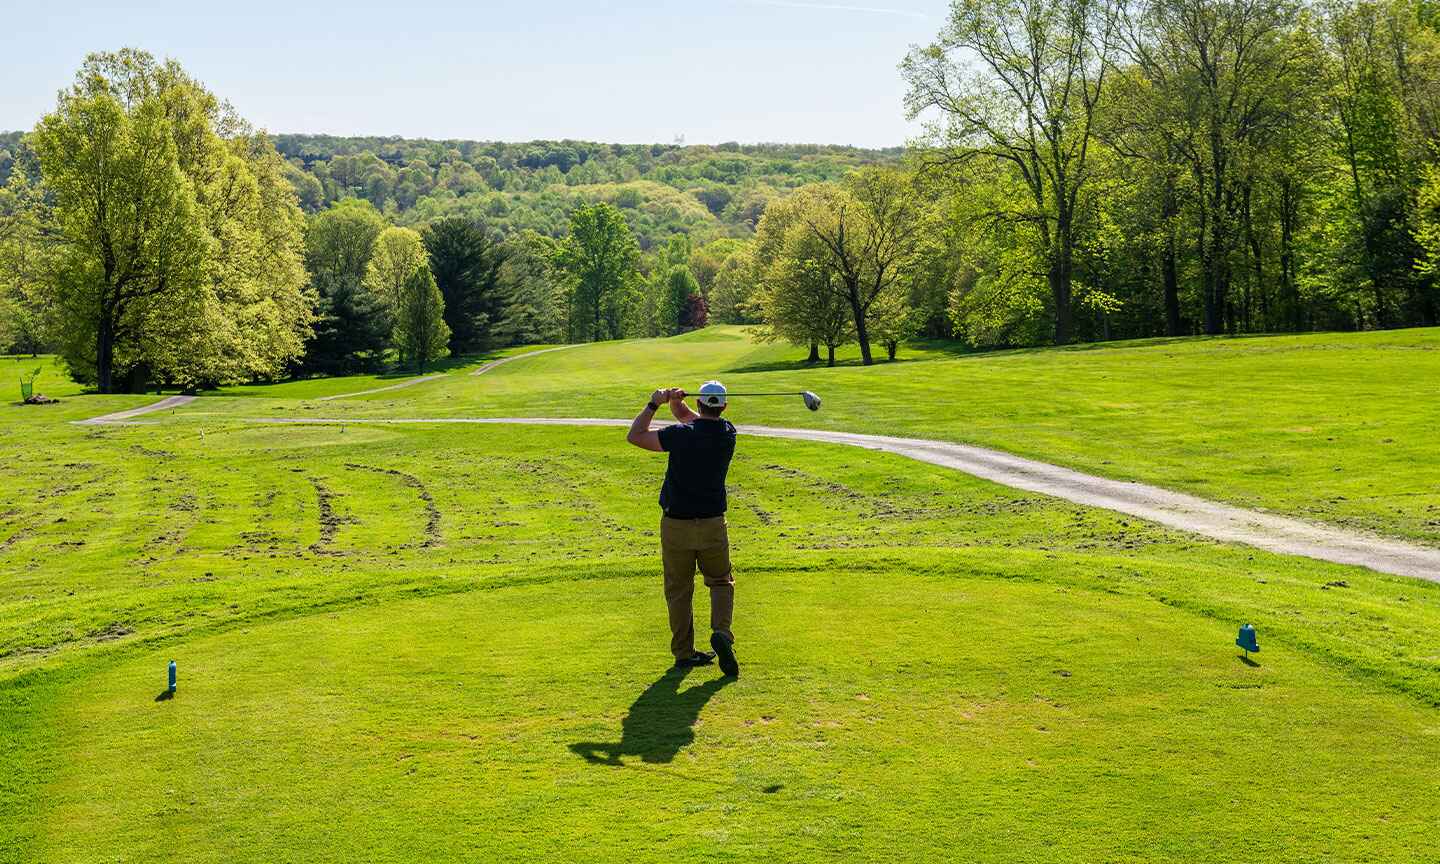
column 401, row 643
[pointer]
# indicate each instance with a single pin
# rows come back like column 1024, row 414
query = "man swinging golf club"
column 692, row 529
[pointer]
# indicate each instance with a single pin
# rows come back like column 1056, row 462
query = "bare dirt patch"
column 330, row 522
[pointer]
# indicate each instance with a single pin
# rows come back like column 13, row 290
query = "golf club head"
column 811, row 400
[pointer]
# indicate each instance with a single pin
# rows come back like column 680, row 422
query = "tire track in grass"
column 432, row 512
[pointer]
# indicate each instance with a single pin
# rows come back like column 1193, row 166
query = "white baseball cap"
column 712, row 393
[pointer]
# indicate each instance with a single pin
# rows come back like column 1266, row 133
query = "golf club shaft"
column 812, row 401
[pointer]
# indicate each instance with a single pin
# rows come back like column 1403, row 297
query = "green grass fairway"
column 1336, row 427
column 319, row 388
column 53, row 380
column 447, row 643
column 1013, row 720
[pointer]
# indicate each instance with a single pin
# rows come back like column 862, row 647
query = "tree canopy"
column 599, row 260
column 166, row 240
column 353, row 329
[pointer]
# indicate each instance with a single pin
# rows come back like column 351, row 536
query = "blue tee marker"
column 1246, row 639
column 172, row 676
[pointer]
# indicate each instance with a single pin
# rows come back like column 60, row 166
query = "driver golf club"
column 811, row 400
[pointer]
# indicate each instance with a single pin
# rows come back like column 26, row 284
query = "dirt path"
column 503, row 360
column 123, row 418
column 1223, row 522
column 409, row 382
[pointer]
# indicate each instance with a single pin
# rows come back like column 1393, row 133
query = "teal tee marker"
column 1246, row 639
column 172, row 676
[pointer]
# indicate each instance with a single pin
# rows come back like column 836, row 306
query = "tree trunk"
column 1256, row 290
column 1289, row 295
column 1172, row 288
column 861, row 332
column 814, row 352
column 1167, row 264
column 1059, row 278
column 105, row 354
column 891, row 347
column 1215, row 286
column 831, row 349
column 1428, row 306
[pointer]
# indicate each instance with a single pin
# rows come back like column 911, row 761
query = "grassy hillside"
column 448, row 642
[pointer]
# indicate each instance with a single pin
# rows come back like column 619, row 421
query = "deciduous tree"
column 866, row 234
column 420, row 332
column 1221, row 76
column 353, row 329
column 599, row 258
column 397, row 254
column 1018, row 81
column 173, row 239
column 798, row 295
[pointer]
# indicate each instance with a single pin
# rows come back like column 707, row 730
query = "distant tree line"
column 704, row 192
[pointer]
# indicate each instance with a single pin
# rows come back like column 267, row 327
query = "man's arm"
column 678, row 407
column 640, row 434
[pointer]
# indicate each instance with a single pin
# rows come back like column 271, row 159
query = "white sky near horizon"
column 626, row 72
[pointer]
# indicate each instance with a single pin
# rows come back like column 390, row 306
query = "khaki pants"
column 685, row 543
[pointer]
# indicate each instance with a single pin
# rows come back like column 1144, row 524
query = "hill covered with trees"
column 705, row 192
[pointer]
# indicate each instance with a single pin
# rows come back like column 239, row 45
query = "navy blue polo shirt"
column 699, row 454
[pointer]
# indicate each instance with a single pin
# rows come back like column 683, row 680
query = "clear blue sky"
column 628, row 71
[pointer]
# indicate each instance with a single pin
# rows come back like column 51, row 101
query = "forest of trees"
column 1104, row 169
column 1115, row 169
column 702, row 191
column 1088, row 170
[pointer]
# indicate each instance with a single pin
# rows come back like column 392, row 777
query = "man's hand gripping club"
column 640, row 434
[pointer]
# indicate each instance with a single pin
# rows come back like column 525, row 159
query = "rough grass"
column 447, row 643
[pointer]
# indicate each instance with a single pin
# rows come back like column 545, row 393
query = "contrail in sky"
column 839, row 8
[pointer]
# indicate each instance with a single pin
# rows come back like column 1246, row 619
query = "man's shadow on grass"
column 661, row 722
